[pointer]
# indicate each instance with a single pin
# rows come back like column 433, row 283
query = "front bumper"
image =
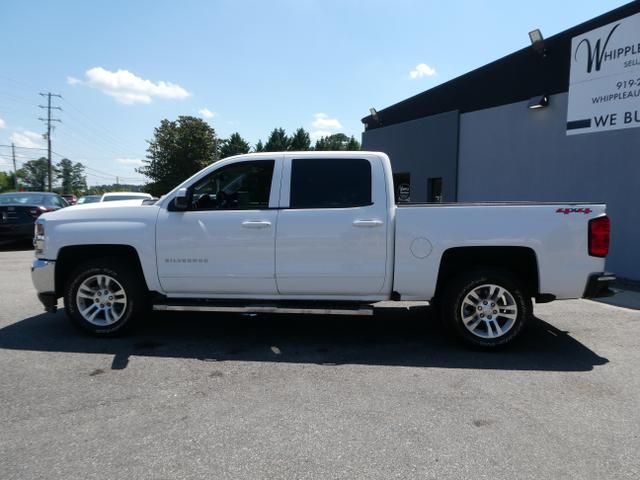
column 43, row 278
column 598, row 285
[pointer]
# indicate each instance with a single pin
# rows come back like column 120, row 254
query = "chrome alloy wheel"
column 101, row 300
column 489, row 311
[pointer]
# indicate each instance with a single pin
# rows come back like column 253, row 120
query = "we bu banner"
column 604, row 84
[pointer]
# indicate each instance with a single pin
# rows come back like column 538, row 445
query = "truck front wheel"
column 486, row 309
column 103, row 296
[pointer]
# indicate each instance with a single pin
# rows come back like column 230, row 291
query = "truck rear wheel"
column 486, row 309
column 103, row 296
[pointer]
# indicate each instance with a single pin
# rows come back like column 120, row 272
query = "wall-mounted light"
column 539, row 101
column 537, row 42
column 374, row 116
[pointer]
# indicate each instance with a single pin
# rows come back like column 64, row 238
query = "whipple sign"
column 604, row 84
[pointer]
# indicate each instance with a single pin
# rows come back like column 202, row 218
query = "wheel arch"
column 70, row 257
column 519, row 261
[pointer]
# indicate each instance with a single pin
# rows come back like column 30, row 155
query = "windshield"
column 23, row 198
column 89, row 199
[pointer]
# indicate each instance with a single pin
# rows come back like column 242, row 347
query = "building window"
column 434, row 190
column 402, row 187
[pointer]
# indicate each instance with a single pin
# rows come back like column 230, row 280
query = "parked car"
column 318, row 232
column 19, row 210
column 70, row 198
column 115, row 196
column 88, row 199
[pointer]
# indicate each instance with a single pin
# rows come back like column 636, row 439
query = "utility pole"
column 15, row 171
column 48, row 120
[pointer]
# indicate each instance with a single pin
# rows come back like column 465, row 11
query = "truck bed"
column 555, row 231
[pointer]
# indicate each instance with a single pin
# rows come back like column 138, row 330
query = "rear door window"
column 330, row 183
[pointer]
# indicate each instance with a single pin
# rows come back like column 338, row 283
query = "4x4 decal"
column 567, row 211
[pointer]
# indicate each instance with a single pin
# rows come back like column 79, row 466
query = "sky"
column 246, row 66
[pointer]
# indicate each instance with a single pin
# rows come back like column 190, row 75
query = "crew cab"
column 317, row 232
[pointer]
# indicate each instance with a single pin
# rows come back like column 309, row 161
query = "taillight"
column 36, row 212
column 599, row 235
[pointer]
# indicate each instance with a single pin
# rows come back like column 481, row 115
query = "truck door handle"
column 368, row 223
column 256, row 224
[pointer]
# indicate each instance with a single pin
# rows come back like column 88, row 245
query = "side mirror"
column 181, row 200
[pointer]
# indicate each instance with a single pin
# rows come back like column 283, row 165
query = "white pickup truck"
column 316, row 232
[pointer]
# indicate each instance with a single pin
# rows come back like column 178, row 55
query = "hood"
column 116, row 210
column 115, row 203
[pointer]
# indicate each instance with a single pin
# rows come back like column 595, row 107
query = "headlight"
column 38, row 238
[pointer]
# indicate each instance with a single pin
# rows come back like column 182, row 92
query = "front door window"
column 240, row 186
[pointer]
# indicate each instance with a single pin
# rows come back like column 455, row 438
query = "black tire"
column 121, row 313
column 514, row 308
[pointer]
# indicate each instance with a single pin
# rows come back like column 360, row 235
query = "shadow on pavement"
column 623, row 298
column 394, row 337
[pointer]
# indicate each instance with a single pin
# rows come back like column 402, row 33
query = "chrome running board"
column 356, row 309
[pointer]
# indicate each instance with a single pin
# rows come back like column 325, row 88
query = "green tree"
column 353, row 144
column 71, row 176
column 7, row 181
column 300, row 141
column 114, row 187
column 337, row 141
column 234, row 145
column 34, row 174
column 278, row 141
column 178, row 150
column 259, row 147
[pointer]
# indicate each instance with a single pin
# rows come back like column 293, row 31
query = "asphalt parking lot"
column 228, row 396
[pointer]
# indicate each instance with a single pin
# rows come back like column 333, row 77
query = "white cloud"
column 422, row 70
column 26, row 139
column 128, row 88
column 324, row 126
column 206, row 113
column 317, row 134
column 3, row 124
column 73, row 81
column 322, row 121
column 130, row 162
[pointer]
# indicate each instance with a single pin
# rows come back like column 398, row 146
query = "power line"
column 16, row 98
column 79, row 140
column 90, row 171
column 26, row 148
column 86, row 130
column 20, row 83
column 10, row 157
column 100, row 129
column 95, row 131
column 101, row 173
column 49, row 119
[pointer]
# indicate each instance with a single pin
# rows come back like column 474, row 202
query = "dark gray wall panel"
column 513, row 153
column 427, row 147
